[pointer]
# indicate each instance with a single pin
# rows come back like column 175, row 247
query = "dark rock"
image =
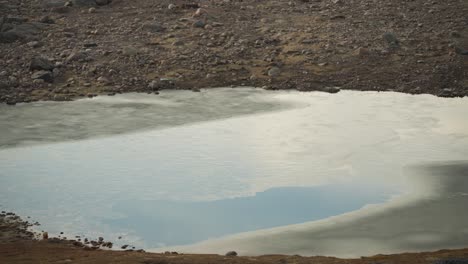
column 103, row 2
column 9, row 37
column 4, row 27
column 53, row 3
column 199, row 24
column 455, row 34
column 41, row 63
column 84, row 2
column 76, row 56
column 43, row 75
column 153, row 27
column 21, row 32
column 178, row 43
column 332, row 89
column 391, row 40
column 231, row 254
column 107, row 244
column 447, row 93
column 274, row 71
column 90, row 45
column 124, row 247
column 78, row 244
column 47, row 20
column 461, row 51
column 15, row 20
column 34, row 44
column 61, row 9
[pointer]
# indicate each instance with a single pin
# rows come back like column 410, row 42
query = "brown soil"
column 18, row 245
column 415, row 46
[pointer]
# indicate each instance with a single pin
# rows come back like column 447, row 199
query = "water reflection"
column 184, row 222
column 431, row 218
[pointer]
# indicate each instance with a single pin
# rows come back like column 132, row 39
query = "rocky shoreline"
column 61, row 50
column 20, row 245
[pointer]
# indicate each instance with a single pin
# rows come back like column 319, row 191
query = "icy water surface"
column 198, row 169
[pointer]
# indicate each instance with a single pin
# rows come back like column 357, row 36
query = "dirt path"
column 50, row 50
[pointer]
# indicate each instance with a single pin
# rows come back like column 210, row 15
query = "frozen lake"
column 243, row 169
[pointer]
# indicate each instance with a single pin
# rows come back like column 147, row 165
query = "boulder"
column 332, row 89
column 43, row 75
column 9, row 37
column 274, row 71
column 41, row 63
column 25, row 31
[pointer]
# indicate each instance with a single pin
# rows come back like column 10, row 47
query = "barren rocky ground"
column 61, row 50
